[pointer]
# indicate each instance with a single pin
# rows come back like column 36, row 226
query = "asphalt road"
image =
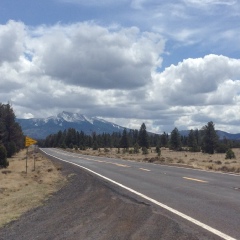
column 209, row 200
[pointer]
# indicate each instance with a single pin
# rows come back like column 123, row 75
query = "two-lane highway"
column 208, row 199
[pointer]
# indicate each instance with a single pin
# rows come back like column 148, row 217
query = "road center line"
column 193, row 169
column 120, row 165
column 144, row 169
column 193, row 179
column 190, row 219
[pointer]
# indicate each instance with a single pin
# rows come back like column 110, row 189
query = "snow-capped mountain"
column 39, row 128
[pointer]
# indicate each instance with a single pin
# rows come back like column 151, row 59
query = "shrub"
column 136, row 148
column 230, row 154
column 63, row 145
column 106, row 150
column 162, row 159
column 3, row 157
column 195, row 148
column 124, row 150
column 75, row 147
column 158, row 149
column 221, row 148
column 180, row 161
column 131, row 151
column 82, row 147
column 144, row 150
column 227, row 169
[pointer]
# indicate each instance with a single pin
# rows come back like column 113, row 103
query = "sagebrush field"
column 21, row 191
column 216, row 162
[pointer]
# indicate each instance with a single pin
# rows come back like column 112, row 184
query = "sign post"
column 28, row 142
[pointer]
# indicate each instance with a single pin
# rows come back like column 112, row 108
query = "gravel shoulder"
column 89, row 208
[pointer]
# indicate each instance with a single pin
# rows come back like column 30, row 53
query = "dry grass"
column 216, row 162
column 19, row 191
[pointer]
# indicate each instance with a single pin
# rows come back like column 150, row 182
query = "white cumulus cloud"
column 11, row 41
column 89, row 55
column 199, row 81
column 113, row 72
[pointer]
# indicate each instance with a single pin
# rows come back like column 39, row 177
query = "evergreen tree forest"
column 11, row 135
column 126, row 139
column 204, row 140
column 71, row 138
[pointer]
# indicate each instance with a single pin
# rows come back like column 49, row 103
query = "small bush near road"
column 144, row 150
column 230, row 154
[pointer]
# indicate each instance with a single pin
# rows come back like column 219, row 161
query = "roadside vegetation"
column 198, row 160
column 11, row 135
column 199, row 149
column 19, row 191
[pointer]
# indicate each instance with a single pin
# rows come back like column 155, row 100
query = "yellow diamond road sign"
column 29, row 141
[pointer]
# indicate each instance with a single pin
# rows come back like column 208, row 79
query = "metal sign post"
column 34, row 153
column 26, row 159
column 28, row 142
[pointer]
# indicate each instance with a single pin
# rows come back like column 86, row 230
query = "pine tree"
column 11, row 149
column 175, row 140
column 3, row 157
column 143, row 137
column 124, row 142
column 210, row 138
column 192, row 142
column 94, row 142
column 11, row 135
column 164, row 139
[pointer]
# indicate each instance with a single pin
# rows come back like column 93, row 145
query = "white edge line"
column 198, row 223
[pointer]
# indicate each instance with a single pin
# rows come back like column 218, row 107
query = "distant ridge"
column 221, row 135
column 40, row 128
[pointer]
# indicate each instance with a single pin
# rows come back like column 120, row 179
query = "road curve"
column 208, row 200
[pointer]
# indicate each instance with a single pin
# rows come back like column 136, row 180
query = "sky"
column 165, row 63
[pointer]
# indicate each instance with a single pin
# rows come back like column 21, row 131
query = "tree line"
column 11, row 135
column 124, row 139
column 205, row 140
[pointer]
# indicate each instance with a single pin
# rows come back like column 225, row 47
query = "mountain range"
column 40, row 128
column 221, row 134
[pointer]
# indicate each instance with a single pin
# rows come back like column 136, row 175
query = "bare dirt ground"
column 215, row 162
column 90, row 208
